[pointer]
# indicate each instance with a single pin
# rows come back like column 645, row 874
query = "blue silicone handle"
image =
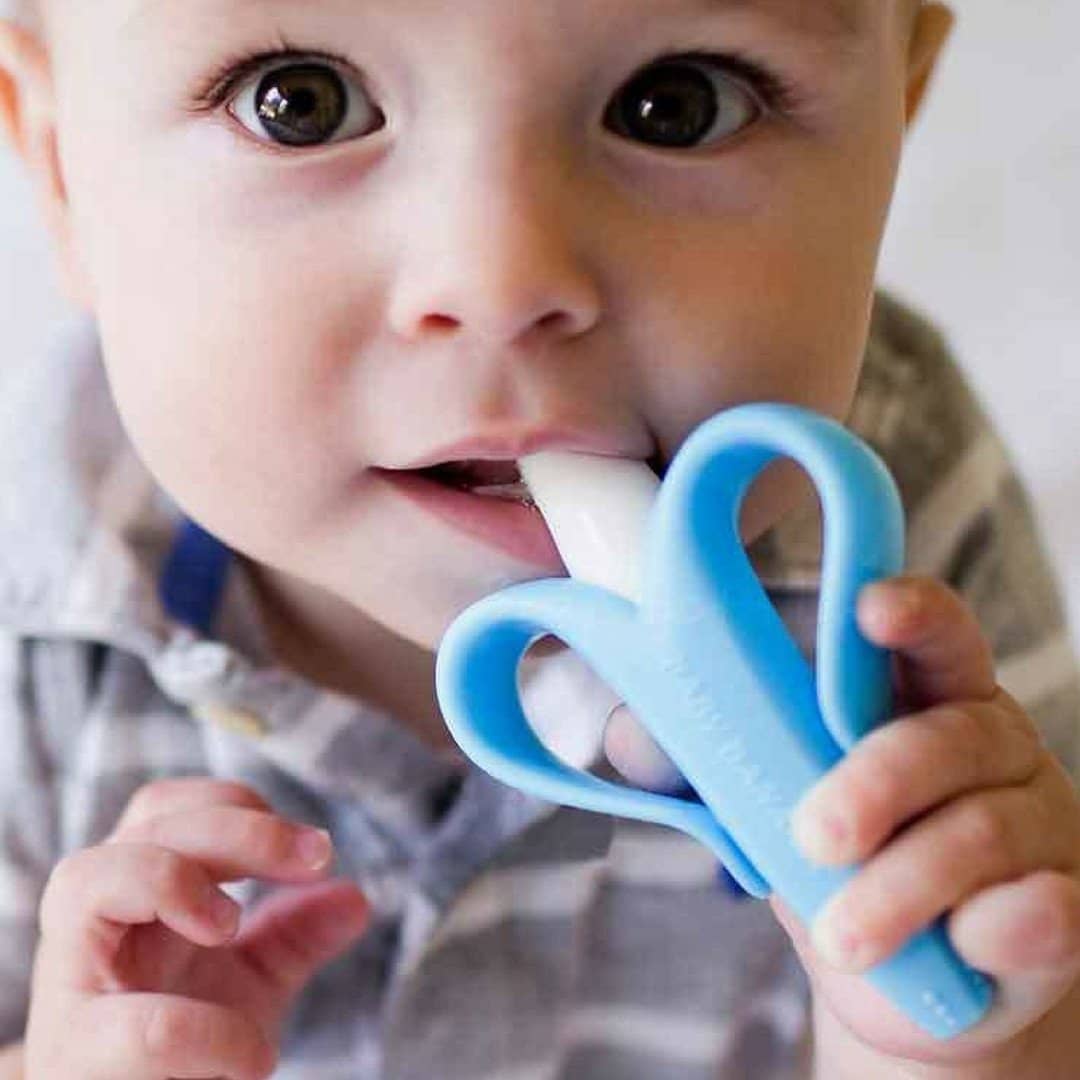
column 706, row 664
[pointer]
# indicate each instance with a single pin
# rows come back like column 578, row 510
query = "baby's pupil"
column 302, row 104
column 669, row 105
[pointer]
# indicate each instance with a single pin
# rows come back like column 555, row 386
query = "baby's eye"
column 305, row 104
column 681, row 102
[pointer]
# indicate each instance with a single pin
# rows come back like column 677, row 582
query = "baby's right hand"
column 140, row 972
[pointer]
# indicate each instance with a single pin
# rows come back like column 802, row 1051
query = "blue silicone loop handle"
column 706, row 664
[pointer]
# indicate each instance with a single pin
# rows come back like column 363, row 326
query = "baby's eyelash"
column 777, row 93
column 220, row 83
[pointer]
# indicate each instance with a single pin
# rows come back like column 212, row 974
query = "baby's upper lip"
column 512, row 445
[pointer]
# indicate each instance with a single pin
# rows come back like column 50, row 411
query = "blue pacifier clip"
column 707, row 666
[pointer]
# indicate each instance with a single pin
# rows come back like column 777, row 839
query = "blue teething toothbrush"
column 694, row 647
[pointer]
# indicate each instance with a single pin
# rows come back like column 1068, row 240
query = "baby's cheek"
column 206, row 445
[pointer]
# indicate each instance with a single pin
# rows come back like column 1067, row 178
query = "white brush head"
column 596, row 507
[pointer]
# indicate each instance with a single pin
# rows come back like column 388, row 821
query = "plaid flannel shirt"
column 511, row 940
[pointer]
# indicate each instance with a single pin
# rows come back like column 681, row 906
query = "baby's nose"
column 499, row 260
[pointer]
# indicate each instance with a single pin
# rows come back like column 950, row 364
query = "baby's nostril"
column 438, row 322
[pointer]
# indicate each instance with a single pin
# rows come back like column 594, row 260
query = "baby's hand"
column 141, row 971
column 957, row 806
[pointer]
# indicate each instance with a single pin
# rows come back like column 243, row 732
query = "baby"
column 325, row 248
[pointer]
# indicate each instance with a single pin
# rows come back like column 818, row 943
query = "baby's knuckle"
column 874, row 794
column 167, row 873
column 70, row 872
column 70, row 877
column 884, row 918
column 966, row 737
column 878, row 910
column 152, row 798
column 964, row 727
column 144, row 830
column 221, row 792
column 1003, row 700
column 1026, row 744
column 984, row 829
column 1057, row 903
column 240, row 793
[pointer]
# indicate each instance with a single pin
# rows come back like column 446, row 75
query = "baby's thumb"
column 296, row 931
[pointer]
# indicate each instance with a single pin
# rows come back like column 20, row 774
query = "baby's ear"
column 27, row 120
column 930, row 29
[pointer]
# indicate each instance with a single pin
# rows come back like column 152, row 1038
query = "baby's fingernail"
column 839, row 943
column 313, row 847
column 823, row 837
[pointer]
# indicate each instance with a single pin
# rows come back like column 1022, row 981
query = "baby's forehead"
column 841, row 25
column 838, row 16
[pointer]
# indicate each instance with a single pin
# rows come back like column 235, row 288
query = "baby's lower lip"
column 505, row 524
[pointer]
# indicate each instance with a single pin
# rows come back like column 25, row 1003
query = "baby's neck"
column 335, row 645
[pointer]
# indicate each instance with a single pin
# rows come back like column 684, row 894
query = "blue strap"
column 193, row 576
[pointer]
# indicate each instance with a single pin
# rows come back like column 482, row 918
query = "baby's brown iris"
column 668, row 104
column 302, row 104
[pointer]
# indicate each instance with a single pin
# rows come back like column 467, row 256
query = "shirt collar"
column 92, row 548
column 82, row 525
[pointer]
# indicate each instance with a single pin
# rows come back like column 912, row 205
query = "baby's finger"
column 909, row 766
column 942, row 654
column 1031, row 925
column 155, row 1036
column 233, row 843
column 174, row 794
column 93, row 896
column 934, row 865
column 635, row 753
column 295, row 931
column 1025, row 933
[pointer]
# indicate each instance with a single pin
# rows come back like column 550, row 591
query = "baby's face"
column 606, row 218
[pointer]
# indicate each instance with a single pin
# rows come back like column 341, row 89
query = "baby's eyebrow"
column 836, row 19
column 840, row 19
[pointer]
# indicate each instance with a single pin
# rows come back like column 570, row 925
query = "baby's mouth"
column 495, row 479
column 498, row 479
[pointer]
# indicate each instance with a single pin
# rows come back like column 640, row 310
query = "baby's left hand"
column 956, row 805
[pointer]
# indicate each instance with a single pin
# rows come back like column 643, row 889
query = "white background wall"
column 984, row 235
